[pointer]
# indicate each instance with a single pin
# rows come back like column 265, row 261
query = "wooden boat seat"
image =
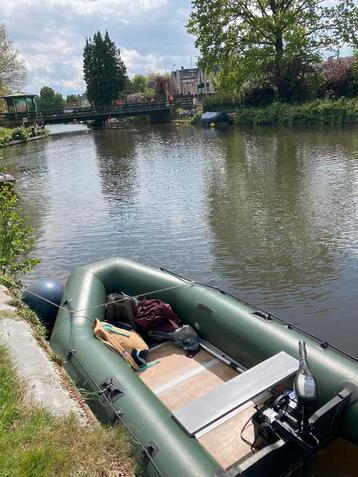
column 217, row 403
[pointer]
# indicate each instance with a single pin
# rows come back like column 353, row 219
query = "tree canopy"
column 269, row 42
column 49, row 100
column 12, row 65
column 105, row 73
column 72, row 98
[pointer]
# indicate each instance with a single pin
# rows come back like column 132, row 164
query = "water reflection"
column 282, row 224
column 115, row 151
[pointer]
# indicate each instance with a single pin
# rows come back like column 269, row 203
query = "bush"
column 16, row 238
column 196, row 117
column 5, row 136
column 221, row 101
column 325, row 111
column 259, row 96
column 20, row 133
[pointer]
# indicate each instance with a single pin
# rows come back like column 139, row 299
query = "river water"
column 268, row 214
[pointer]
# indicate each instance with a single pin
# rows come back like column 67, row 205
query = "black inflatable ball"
column 50, row 289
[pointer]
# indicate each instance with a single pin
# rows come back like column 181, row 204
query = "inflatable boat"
column 251, row 402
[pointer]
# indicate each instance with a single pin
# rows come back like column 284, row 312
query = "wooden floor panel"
column 224, row 442
column 173, row 362
column 175, row 385
column 196, row 386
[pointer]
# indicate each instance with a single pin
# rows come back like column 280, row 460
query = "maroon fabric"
column 156, row 314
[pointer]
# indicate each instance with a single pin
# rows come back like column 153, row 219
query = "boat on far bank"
column 217, row 118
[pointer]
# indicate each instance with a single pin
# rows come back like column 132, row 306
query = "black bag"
column 184, row 337
column 121, row 308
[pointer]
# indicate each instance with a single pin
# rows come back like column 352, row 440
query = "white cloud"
column 51, row 35
column 136, row 61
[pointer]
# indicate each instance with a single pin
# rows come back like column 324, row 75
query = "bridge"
column 158, row 111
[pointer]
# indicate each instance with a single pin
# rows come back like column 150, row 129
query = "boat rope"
column 67, row 302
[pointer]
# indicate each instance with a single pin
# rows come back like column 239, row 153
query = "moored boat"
column 188, row 413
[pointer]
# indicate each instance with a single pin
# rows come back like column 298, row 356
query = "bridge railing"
column 102, row 110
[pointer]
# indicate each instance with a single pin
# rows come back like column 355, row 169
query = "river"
column 268, row 214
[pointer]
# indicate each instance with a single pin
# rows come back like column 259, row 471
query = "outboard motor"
column 306, row 388
column 290, row 427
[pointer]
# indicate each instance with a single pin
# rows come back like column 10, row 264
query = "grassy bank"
column 341, row 111
column 33, row 443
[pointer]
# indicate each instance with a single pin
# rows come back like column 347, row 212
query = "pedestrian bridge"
column 156, row 111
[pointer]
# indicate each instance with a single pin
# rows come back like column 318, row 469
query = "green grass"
column 33, row 443
column 341, row 111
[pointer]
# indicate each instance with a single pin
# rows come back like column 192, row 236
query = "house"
column 192, row 81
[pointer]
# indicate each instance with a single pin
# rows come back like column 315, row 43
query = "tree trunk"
column 278, row 64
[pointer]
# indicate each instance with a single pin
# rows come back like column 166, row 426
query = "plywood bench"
column 205, row 410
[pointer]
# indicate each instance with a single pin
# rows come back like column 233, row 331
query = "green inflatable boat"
column 250, row 403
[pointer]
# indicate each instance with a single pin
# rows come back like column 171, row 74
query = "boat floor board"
column 224, row 442
column 173, row 363
column 178, row 380
column 197, row 386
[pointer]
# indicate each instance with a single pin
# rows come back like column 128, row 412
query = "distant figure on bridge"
column 171, row 98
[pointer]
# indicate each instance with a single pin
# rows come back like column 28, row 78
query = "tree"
column 49, row 100
column 162, row 84
column 72, row 98
column 138, row 84
column 105, row 73
column 274, row 42
column 12, row 65
column 337, row 76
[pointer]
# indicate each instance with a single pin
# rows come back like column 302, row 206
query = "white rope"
column 23, row 289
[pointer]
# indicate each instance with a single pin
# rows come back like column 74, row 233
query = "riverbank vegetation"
column 20, row 133
column 33, row 443
column 342, row 111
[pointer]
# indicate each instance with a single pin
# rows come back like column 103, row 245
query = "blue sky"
column 50, row 35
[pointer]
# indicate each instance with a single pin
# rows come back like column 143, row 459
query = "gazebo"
column 20, row 103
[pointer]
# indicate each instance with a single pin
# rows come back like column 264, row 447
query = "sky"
column 51, row 34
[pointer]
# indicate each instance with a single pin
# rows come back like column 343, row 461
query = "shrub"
column 337, row 74
column 221, row 101
column 5, row 136
column 260, row 96
column 325, row 111
column 20, row 133
column 196, row 117
column 16, row 238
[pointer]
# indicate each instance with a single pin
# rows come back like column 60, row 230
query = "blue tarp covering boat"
column 218, row 117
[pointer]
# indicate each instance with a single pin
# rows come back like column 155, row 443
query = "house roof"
column 187, row 73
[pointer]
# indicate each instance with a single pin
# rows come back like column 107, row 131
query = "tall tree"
column 269, row 41
column 49, row 100
column 105, row 73
column 12, row 65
